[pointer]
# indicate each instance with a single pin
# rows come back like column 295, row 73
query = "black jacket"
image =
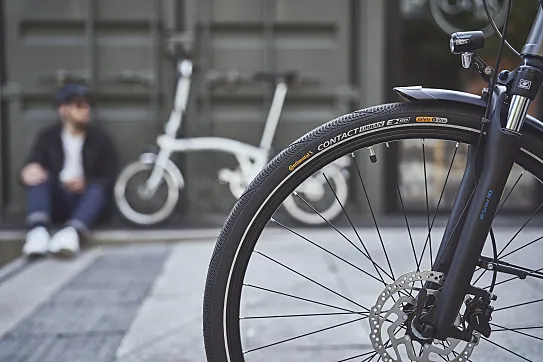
column 100, row 159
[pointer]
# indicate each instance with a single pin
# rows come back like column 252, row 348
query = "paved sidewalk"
column 143, row 302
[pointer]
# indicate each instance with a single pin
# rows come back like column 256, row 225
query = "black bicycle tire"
column 254, row 208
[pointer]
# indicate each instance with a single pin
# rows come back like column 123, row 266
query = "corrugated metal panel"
column 3, row 120
column 96, row 39
column 312, row 36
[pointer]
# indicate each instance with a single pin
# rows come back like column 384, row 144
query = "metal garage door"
column 94, row 39
column 312, row 36
column 338, row 42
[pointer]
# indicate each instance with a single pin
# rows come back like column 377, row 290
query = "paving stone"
column 50, row 349
column 24, row 349
column 62, row 320
column 87, row 318
column 132, row 293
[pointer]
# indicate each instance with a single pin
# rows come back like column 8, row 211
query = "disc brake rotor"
column 395, row 297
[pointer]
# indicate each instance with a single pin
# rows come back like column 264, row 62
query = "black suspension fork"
column 468, row 229
column 456, row 221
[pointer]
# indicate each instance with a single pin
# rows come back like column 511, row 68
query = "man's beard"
column 80, row 126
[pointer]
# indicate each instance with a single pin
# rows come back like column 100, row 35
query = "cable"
column 498, row 58
column 497, row 31
column 495, row 251
column 487, row 111
column 493, row 81
column 487, row 114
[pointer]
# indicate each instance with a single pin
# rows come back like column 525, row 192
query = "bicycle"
column 445, row 306
column 138, row 184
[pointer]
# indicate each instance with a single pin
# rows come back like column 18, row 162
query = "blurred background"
column 128, row 51
column 125, row 50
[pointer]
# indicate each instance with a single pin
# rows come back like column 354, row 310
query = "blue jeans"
column 50, row 202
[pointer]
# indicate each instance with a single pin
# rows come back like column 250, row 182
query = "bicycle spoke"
column 523, row 226
column 403, row 207
column 445, row 347
column 456, row 354
column 327, row 251
column 516, row 329
column 374, row 354
column 510, row 241
column 358, row 356
column 505, row 349
column 310, row 279
column 370, row 358
column 457, row 223
column 382, row 274
column 437, row 208
column 427, row 201
column 524, row 334
column 521, row 247
column 300, row 315
column 348, row 240
column 369, row 205
column 519, row 305
column 304, row 299
column 509, row 193
column 354, row 229
column 305, row 335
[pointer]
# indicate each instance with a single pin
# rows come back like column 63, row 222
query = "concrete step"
column 11, row 241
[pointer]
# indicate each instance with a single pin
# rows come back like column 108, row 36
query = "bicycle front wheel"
column 282, row 294
column 139, row 208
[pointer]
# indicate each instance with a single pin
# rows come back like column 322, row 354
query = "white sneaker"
column 65, row 242
column 37, row 241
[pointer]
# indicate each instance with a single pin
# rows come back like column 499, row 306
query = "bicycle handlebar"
column 61, row 76
column 236, row 78
column 129, row 77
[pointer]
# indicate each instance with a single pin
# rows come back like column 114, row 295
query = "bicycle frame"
column 251, row 159
column 478, row 198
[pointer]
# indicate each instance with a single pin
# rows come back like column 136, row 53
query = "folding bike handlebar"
column 235, row 78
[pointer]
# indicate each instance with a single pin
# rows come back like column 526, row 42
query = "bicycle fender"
column 172, row 168
column 149, row 158
column 419, row 93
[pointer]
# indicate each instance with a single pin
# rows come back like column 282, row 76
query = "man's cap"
column 71, row 91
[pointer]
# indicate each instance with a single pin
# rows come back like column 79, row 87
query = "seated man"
column 68, row 175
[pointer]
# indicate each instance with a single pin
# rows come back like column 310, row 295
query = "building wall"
column 97, row 39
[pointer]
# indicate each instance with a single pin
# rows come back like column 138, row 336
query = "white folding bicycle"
column 137, row 194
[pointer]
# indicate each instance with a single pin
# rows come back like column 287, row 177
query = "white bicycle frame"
column 251, row 159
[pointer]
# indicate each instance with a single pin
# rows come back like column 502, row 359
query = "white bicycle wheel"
column 144, row 210
column 304, row 214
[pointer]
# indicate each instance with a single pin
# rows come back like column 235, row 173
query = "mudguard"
column 149, row 158
column 418, row 93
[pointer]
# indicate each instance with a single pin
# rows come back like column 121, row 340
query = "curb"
column 101, row 237
column 13, row 240
column 12, row 268
column 105, row 237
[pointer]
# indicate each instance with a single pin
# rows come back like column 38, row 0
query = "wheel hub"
column 392, row 331
column 413, row 332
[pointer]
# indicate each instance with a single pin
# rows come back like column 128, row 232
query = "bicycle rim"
column 246, row 251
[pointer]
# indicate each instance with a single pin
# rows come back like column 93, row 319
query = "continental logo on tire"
column 300, row 161
column 431, row 120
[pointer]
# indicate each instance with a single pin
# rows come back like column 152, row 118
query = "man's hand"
column 33, row 174
column 76, row 185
